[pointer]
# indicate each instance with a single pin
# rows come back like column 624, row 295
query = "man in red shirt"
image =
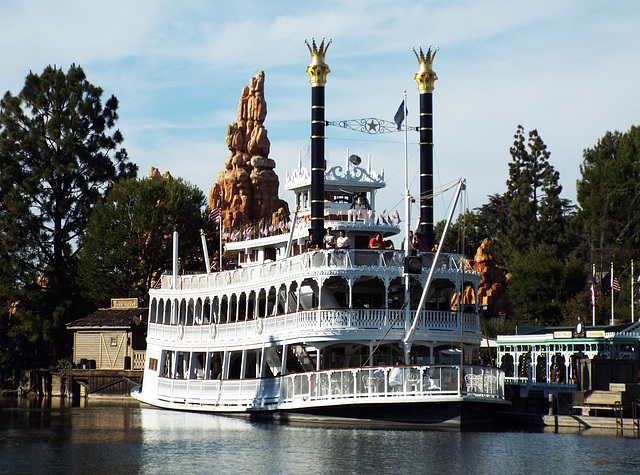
column 376, row 242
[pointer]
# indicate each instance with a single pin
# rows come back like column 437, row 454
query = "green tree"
column 535, row 213
column 467, row 231
column 57, row 156
column 536, row 235
column 128, row 241
column 542, row 284
column 608, row 195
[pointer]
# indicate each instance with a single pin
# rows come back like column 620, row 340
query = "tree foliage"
column 535, row 213
column 128, row 241
column 542, row 283
column 608, row 194
column 465, row 235
column 57, row 157
column 531, row 226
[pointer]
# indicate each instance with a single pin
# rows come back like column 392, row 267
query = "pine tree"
column 57, row 157
column 536, row 214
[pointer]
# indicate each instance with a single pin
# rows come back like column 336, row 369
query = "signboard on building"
column 563, row 334
column 124, row 303
column 595, row 333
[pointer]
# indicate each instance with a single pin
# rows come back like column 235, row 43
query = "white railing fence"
column 311, row 388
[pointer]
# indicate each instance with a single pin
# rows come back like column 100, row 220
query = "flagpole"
column 631, row 291
column 407, row 227
column 593, row 296
column 407, row 224
column 611, row 322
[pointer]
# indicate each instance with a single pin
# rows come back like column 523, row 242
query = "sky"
column 569, row 69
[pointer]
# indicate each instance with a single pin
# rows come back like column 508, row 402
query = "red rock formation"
column 154, row 175
column 492, row 290
column 247, row 190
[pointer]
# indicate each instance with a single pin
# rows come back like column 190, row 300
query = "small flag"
column 615, row 285
column 396, row 216
column 593, row 292
column 214, row 215
column 399, row 117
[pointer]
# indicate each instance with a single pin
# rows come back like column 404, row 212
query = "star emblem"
column 372, row 126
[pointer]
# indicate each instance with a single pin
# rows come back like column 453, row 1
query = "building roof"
column 543, row 330
column 109, row 317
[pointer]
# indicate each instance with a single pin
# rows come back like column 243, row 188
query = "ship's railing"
column 395, row 381
column 319, row 320
column 379, row 383
column 369, row 259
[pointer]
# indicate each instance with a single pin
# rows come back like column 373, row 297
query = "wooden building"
column 112, row 338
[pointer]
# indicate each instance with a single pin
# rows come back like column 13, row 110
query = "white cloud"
column 568, row 69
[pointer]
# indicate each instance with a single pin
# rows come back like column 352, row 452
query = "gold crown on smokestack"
column 426, row 76
column 426, row 61
column 318, row 69
column 317, row 54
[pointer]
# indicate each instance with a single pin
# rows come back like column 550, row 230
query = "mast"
column 426, row 77
column 317, row 71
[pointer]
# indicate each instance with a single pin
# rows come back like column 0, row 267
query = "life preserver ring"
column 180, row 331
column 259, row 325
column 212, row 331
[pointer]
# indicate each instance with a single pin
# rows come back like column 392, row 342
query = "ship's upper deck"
column 352, row 263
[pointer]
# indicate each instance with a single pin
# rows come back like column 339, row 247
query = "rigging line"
column 404, row 305
column 440, row 192
column 328, row 138
column 398, row 315
column 401, row 169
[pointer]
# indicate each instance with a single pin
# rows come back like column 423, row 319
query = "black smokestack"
column 426, row 77
column 318, row 71
column 426, row 168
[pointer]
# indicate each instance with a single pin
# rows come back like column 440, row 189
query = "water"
column 122, row 437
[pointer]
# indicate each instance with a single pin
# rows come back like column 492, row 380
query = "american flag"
column 615, row 285
column 214, row 215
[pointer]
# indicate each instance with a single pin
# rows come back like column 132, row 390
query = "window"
column 114, row 341
column 153, row 364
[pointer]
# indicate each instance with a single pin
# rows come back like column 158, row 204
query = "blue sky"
column 569, row 69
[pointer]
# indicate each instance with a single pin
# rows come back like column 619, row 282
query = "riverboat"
column 353, row 337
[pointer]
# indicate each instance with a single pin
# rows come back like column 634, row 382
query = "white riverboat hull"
column 428, row 397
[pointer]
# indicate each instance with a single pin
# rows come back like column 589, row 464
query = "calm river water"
column 122, row 437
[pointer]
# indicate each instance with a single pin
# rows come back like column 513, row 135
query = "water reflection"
column 121, row 437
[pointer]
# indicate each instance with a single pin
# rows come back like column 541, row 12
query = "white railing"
column 335, row 320
column 305, row 389
column 394, row 381
column 325, row 258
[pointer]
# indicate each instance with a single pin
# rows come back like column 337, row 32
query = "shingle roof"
column 108, row 317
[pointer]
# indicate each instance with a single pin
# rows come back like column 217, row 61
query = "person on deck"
column 329, row 240
column 343, row 242
column 395, row 377
column 376, row 242
column 311, row 244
